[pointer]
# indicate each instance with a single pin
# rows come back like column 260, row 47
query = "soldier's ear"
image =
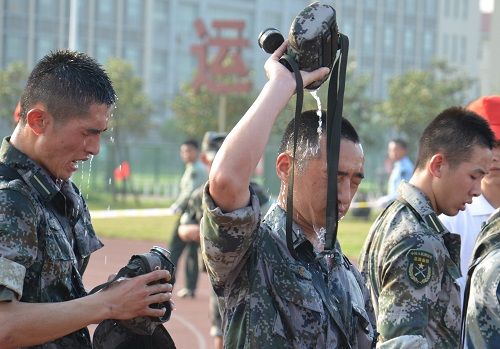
column 283, row 166
column 436, row 164
column 37, row 120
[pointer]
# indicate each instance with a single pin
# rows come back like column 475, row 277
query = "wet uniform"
column 483, row 309
column 271, row 300
column 410, row 262
column 46, row 239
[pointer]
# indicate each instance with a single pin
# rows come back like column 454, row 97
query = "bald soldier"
column 410, row 261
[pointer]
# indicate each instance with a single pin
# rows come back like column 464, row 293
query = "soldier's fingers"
column 160, row 298
column 160, row 288
column 315, row 75
column 155, row 276
column 154, row 312
column 280, row 50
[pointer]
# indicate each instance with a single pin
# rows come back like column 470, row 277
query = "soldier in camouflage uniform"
column 194, row 176
column 189, row 228
column 268, row 298
column 482, row 327
column 46, row 236
column 410, row 261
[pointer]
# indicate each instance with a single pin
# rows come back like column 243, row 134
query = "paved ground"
column 189, row 325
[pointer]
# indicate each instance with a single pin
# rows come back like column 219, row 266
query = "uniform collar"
column 416, row 198
column 276, row 219
column 31, row 172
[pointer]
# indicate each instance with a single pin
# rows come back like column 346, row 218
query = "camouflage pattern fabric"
column 483, row 310
column 194, row 176
column 194, row 210
column 271, row 300
column 410, row 267
column 46, row 238
column 313, row 39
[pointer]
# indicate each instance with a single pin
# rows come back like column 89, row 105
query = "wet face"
column 188, row 153
column 310, row 188
column 63, row 144
column 456, row 185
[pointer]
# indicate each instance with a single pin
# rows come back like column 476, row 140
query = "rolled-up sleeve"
column 227, row 237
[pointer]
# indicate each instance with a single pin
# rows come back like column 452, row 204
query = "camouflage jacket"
column 410, row 262
column 194, row 210
column 271, row 300
column 194, row 175
column 483, row 310
column 46, row 238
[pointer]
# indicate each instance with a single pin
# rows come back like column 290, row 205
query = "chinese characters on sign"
column 225, row 72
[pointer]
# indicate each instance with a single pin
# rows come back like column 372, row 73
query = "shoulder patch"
column 419, row 269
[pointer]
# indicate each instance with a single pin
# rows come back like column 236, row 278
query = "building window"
column 134, row 14
column 409, row 43
column 447, row 8
column 463, row 49
column 446, row 44
column 389, row 39
column 390, row 6
column 428, row 43
column 410, row 6
column 370, row 4
column 430, row 8
column 47, row 8
column 454, row 48
column 368, row 39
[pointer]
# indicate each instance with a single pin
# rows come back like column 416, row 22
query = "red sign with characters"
column 225, row 72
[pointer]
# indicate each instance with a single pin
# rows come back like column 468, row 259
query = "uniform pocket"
column 295, row 285
column 57, row 244
column 300, row 313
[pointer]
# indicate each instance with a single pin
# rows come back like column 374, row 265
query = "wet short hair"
column 454, row 132
column 67, row 83
column 308, row 134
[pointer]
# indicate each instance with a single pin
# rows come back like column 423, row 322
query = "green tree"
column 131, row 117
column 12, row 80
column 416, row 97
column 197, row 112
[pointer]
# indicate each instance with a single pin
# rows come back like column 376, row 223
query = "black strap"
column 298, row 109
column 320, row 286
column 333, row 124
column 123, row 272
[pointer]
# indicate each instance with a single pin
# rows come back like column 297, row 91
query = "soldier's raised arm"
column 237, row 159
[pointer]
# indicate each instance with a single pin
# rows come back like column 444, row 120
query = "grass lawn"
column 351, row 234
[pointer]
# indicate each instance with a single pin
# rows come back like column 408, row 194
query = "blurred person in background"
column 195, row 174
column 402, row 169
